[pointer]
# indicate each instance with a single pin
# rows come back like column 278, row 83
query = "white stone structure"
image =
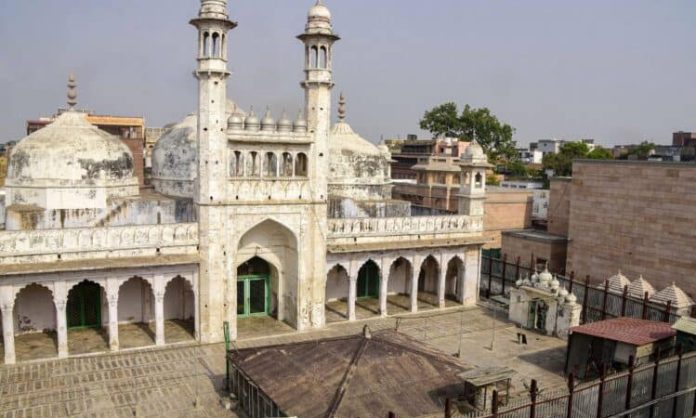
column 540, row 304
column 238, row 223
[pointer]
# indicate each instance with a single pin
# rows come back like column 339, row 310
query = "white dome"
column 474, row 150
column 70, row 152
column 319, row 11
column 174, row 158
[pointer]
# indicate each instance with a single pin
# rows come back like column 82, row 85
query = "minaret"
column 319, row 39
column 72, row 92
column 212, row 23
column 472, row 193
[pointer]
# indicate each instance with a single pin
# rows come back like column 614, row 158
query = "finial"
column 72, row 91
column 341, row 108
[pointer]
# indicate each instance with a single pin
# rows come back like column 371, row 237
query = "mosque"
column 248, row 217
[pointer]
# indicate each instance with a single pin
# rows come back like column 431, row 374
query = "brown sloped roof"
column 355, row 376
column 627, row 330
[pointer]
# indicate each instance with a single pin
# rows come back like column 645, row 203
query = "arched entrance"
column 35, row 324
column 136, row 313
column 336, row 298
column 428, row 282
column 454, row 280
column 267, row 285
column 85, row 317
column 179, row 311
column 368, row 281
column 254, row 289
column 400, row 274
column 84, row 306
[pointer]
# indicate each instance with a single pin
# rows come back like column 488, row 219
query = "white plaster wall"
column 429, row 270
column 34, row 310
column 135, row 302
column 178, row 300
column 337, row 285
column 399, row 278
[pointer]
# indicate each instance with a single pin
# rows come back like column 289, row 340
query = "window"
column 301, row 165
column 270, row 165
column 322, row 57
column 314, row 57
column 478, row 182
column 206, row 44
column 253, row 166
column 286, row 168
column 216, row 45
column 237, row 164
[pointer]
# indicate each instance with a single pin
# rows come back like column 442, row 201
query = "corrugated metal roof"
column 354, row 376
column 627, row 330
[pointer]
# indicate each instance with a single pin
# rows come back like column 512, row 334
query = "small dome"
column 562, row 293
column 571, row 299
column 535, row 277
column 268, row 123
column 474, row 151
column 300, row 125
column 70, row 152
column 639, row 287
column 618, row 282
column 319, row 11
column 673, row 294
column 284, row 124
column 555, row 284
column 252, row 122
column 235, row 122
column 545, row 277
column 519, row 282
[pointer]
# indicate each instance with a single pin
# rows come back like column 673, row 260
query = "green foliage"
column 562, row 163
column 642, row 151
column 481, row 125
column 3, row 169
column 492, row 180
column 600, row 153
column 517, row 168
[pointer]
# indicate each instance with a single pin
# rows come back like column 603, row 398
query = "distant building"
column 684, row 139
column 631, row 216
column 549, row 146
column 521, row 184
column 529, row 156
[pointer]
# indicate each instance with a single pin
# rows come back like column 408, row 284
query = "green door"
column 368, row 281
column 84, row 306
column 253, row 295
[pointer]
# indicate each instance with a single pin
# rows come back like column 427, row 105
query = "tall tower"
column 319, row 39
column 472, row 195
column 212, row 23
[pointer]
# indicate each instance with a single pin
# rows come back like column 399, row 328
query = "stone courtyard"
column 187, row 380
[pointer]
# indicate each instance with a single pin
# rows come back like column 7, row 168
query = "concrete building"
column 249, row 217
column 684, row 139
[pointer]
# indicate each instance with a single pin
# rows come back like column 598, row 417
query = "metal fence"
column 665, row 389
column 498, row 276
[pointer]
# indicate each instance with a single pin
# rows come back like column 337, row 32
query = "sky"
column 618, row 71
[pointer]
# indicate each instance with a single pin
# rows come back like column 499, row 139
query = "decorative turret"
column 72, row 92
column 473, row 190
column 268, row 123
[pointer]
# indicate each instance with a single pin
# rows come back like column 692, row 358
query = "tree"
column 600, row 153
column 480, row 125
column 562, row 163
column 642, row 151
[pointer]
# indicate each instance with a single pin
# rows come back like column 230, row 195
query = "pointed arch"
column 275, row 243
column 369, row 278
column 428, row 275
column 400, row 273
column 454, row 278
column 179, row 309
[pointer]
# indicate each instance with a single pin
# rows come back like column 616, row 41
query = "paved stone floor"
column 187, row 380
column 39, row 346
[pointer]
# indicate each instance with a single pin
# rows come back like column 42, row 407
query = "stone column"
column 383, row 292
column 352, row 296
column 8, row 332
column 62, row 325
column 197, row 309
column 460, row 283
column 441, row 282
column 414, row 289
column 159, row 317
column 113, row 322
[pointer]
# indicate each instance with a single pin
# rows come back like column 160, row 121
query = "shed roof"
column 685, row 325
column 627, row 330
column 356, row 376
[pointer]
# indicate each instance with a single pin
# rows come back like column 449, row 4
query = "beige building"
column 628, row 216
column 289, row 221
